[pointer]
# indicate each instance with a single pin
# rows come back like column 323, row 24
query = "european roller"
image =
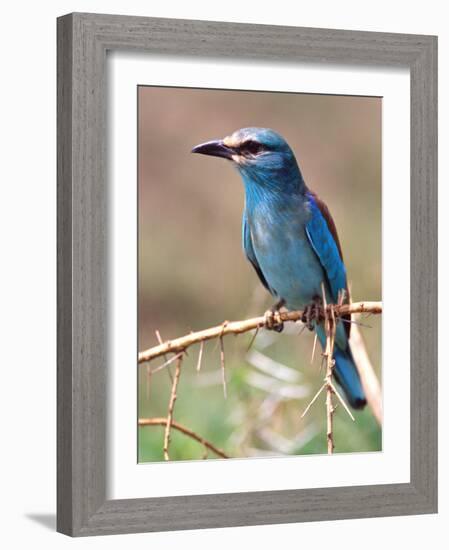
column 290, row 237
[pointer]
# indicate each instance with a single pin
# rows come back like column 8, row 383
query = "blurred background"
column 193, row 273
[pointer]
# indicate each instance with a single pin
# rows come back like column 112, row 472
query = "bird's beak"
column 214, row 149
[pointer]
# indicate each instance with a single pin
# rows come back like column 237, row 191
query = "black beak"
column 214, row 149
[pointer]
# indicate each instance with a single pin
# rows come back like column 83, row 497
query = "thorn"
column 313, row 400
column 200, row 356
column 323, row 361
column 314, row 347
column 159, row 339
column 168, row 362
column 340, row 398
column 324, row 296
column 223, row 326
column 253, row 339
column 222, row 361
column 158, row 336
column 354, row 322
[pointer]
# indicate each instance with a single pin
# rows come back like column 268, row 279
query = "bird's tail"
column 347, row 376
column 345, row 372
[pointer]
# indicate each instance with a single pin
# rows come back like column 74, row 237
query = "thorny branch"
column 163, row 422
column 238, row 327
column 330, row 325
column 329, row 314
column 171, row 406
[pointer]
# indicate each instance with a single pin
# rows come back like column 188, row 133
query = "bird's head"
column 261, row 155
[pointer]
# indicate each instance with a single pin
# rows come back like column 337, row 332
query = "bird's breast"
column 285, row 255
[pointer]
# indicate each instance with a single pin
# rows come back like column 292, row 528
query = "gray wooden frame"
column 83, row 40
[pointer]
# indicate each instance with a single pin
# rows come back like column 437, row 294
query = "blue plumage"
column 325, row 247
column 289, row 236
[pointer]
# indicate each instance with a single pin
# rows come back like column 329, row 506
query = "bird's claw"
column 273, row 320
column 311, row 315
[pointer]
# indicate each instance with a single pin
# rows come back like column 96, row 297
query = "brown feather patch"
column 333, row 229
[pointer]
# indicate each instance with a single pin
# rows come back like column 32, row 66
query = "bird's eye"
column 252, row 147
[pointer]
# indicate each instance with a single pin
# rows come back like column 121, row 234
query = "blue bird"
column 290, row 237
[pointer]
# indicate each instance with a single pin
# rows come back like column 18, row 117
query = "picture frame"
column 83, row 41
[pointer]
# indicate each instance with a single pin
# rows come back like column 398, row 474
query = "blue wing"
column 249, row 251
column 323, row 237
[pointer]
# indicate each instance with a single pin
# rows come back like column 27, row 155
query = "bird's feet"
column 272, row 317
column 312, row 314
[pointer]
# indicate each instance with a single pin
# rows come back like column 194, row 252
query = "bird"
column 290, row 238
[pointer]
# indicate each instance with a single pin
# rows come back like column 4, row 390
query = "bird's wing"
column 249, row 251
column 323, row 237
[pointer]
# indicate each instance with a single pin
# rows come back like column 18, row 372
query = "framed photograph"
column 247, row 281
